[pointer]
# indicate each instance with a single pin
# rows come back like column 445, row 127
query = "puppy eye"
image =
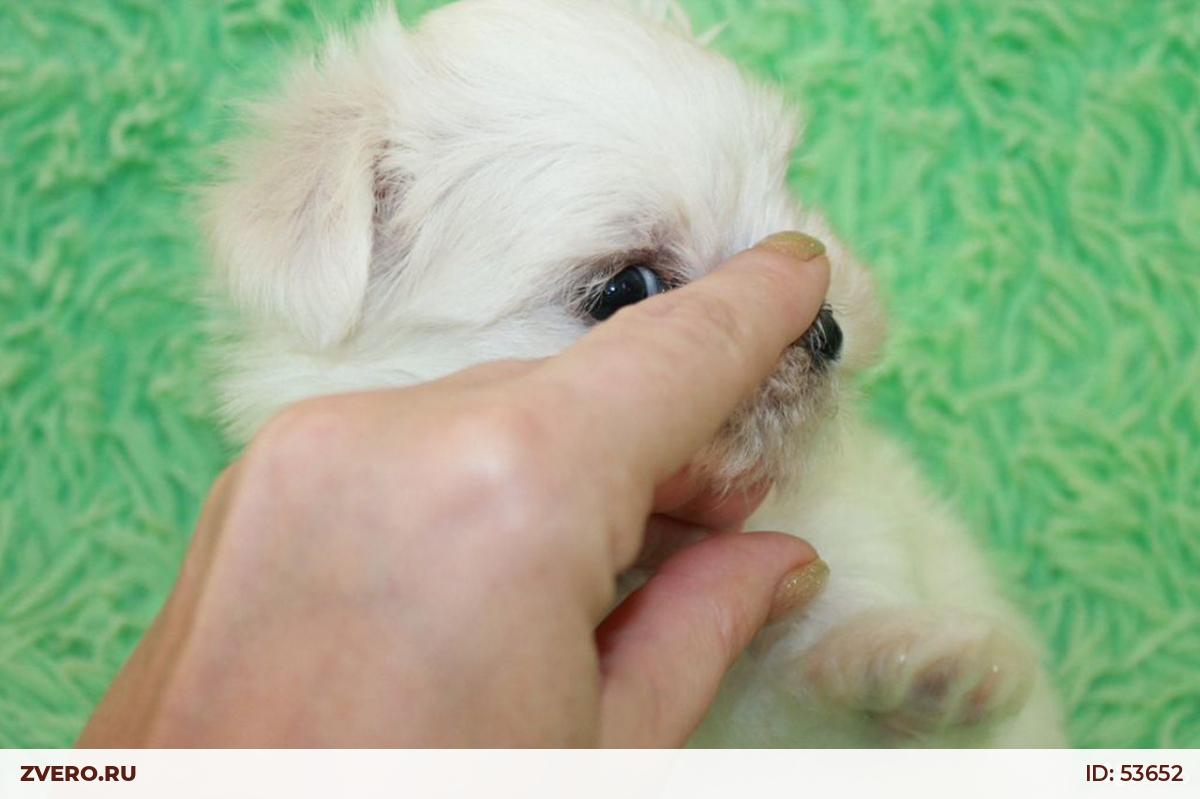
column 630, row 285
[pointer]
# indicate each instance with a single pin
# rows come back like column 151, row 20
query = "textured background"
column 1025, row 176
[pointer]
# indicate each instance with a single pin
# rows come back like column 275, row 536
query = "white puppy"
column 492, row 184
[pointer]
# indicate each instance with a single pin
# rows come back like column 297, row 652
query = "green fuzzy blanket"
column 1024, row 175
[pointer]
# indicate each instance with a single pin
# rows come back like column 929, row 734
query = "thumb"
column 664, row 650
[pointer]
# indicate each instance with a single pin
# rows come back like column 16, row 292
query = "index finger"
column 661, row 377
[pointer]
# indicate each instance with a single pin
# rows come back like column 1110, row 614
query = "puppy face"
column 493, row 184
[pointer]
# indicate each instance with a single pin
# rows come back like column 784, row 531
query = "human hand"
column 435, row 565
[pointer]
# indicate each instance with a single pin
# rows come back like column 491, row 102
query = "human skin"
column 435, row 565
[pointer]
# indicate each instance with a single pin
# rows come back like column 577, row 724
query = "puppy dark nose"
column 824, row 339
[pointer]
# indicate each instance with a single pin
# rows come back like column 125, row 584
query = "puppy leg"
column 911, row 634
column 923, row 670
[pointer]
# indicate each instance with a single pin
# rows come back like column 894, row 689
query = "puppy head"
column 491, row 185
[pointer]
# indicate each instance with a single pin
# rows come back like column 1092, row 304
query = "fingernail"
column 794, row 244
column 799, row 588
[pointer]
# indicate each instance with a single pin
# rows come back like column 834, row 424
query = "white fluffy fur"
column 417, row 201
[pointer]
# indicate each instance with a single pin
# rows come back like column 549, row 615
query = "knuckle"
column 501, row 444
column 302, row 445
column 500, row 462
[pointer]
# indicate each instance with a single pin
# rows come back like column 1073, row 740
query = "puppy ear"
column 294, row 227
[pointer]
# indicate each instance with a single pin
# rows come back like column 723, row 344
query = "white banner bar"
column 525, row 774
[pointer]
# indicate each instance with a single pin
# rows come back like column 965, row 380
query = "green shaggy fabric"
column 1025, row 175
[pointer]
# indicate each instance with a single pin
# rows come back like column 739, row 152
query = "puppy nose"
column 824, row 339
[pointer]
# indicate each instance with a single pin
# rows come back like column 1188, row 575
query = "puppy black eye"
column 627, row 287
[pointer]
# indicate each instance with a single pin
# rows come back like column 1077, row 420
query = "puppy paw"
column 920, row 671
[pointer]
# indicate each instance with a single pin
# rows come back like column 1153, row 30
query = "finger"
column 693, row 501
column 487, row 374
column 648, row 388
column 681, row 519
column 703, row 348
column 495, row 370
column 663, row 538
column 665, row 649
